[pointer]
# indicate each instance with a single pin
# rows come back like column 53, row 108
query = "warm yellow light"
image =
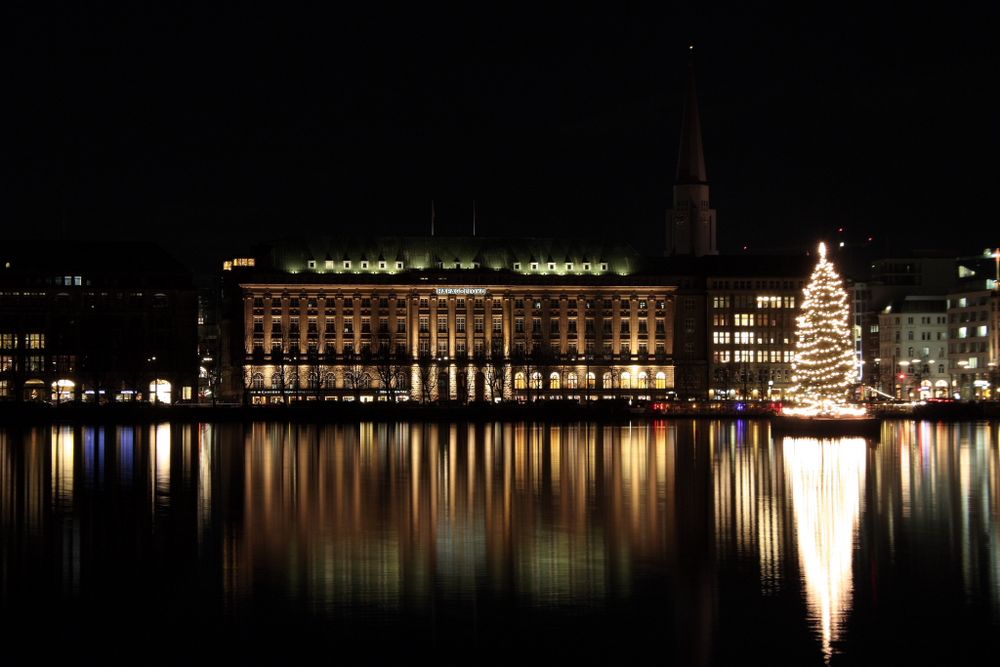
column 824, row 363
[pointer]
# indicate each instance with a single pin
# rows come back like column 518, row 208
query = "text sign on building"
column 463, row 291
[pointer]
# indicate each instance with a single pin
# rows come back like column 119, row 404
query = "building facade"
column 913, row 361
column 752, row 304
column 95, row 323
column 972, row 345
column 498, row 320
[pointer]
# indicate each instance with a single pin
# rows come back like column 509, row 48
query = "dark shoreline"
column 541, row 411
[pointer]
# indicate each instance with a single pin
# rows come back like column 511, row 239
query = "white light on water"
column 826, row 479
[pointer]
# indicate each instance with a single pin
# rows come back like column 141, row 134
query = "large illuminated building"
column 461, row 319
column 95, row 323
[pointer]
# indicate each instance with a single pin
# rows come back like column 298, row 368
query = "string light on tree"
column 824, row 366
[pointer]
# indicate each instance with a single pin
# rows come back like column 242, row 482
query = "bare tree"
column 497, row 371
column 390, row 366
column 356, row 377
column 425, row 373
column 314, row 378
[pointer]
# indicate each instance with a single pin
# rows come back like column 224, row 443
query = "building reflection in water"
column 550, row 514
column 826, row 479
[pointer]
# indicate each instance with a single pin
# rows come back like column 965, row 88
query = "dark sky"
column 213, row 125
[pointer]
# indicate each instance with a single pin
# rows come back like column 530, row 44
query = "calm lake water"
column 689, row 542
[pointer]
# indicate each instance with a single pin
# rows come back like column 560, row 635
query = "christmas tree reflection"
column 826, row 479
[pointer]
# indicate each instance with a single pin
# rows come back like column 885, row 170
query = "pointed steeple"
column 691, row 221
column 691, row 157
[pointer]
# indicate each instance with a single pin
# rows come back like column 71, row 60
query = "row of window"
column 748, row 338
column 924, row 335
column 30, row 341
column 39, row 363
column 519, row 302
column 753, row 356
column 353, row 379
column 461, row 347
column 751, row 301
column 312, row 325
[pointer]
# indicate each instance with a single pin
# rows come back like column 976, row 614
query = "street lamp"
column 903, row 365
column 961, row 382
column 917, row 375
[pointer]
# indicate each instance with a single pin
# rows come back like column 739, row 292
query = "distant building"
column 973, row 327
column 752, row 305
column 95, row 322
column 913, row 349
column 887, row 281
column 972, row 348
column 209, row 342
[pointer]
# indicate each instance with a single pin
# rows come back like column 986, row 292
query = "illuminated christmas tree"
column 824, row 364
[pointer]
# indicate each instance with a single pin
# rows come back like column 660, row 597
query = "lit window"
column 347, row 263
column 381, row 265
column 517, row 267
column 552, row 266
column 399, row 266
column 604, row 266
column 534, row 266
column 311, row 263
column 586, row 266
column 364, row 264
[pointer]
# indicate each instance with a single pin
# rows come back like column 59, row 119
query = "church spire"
column 691, row 221
column 691, row 157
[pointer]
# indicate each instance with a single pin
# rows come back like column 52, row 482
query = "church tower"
column 691, row 222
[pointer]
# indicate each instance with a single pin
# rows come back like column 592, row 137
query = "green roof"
column 521, row 255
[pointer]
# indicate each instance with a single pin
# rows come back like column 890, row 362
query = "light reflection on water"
column 709, row 526
column 826, row 478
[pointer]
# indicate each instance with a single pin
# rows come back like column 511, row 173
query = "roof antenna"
column 432, row 217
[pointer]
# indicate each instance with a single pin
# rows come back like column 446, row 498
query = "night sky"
column 212, row 126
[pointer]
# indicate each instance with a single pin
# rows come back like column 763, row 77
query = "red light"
column 902, row 376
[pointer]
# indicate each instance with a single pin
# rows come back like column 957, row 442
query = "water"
column 692, row 542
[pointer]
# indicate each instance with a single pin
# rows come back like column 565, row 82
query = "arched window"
column 330, row 380
column 591, row 380
column 661, row 380
column 519, row 380
column 643, row 380
column 257, row 381
column 536, row 380
column 571, row 381
column 293, row 380
column 554, row 380
column 313, row 380
column 626, row 380
column 606, row 380
column 276, row 380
